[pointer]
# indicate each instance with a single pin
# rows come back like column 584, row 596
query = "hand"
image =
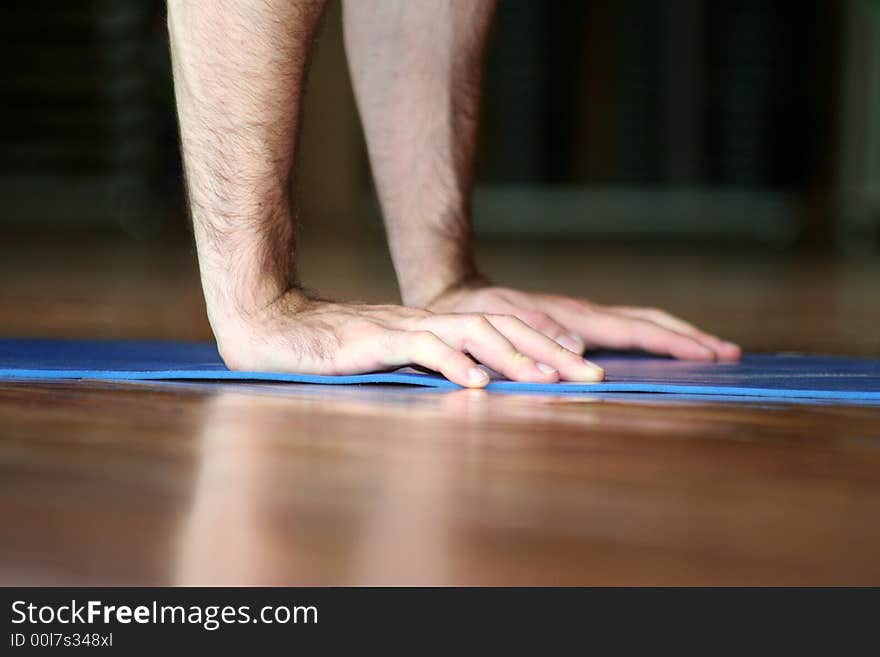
column 578, row 324
column 298, row 334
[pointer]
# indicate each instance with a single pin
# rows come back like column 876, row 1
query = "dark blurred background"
column 637, row 119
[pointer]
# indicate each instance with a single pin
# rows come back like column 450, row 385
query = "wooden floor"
column 180, row 483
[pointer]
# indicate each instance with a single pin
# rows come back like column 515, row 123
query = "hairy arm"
column 239, row 71
column 417, row 68
column 417, row 71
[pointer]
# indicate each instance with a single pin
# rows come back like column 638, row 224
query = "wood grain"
column 189, row 483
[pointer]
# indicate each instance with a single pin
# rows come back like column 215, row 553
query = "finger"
column 476, row 335
column 544, row 323
column 614, row 331
column 724, row 350
column 426, row 349
column 571, row 366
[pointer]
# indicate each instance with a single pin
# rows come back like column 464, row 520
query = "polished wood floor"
column 175, row 483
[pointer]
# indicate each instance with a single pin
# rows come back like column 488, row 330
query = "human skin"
column 239, row 72
column 417, row 68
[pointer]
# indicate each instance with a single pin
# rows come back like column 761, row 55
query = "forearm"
column 238, row 74
column 417, row 72
column 239, row 69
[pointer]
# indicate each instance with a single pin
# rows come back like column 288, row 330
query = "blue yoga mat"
column 779, row 377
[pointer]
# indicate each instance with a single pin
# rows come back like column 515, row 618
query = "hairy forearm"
column 239, row 69
column 417, row 68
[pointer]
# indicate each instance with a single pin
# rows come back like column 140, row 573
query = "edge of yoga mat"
column 208, row 367
column 427, row 380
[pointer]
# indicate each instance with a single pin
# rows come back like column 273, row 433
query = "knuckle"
column 563, row 352
column 478, row 325
column 541, row 320
column 520, row 360
column 423, row 340
column 420, row 337
column 506, row 319
column 572, row 304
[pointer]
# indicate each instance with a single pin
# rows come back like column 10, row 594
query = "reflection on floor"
column 190, row 483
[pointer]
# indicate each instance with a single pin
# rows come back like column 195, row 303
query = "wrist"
column 240, row 333
column 432, row 253
column 426, row 293
column 242, row 285
column 231, row 298
column 245, row 254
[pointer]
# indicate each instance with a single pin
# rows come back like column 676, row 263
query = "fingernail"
column 732, row 345
column 571, row 342
column 477, row 377
column 595, row 373
column 546, row 369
